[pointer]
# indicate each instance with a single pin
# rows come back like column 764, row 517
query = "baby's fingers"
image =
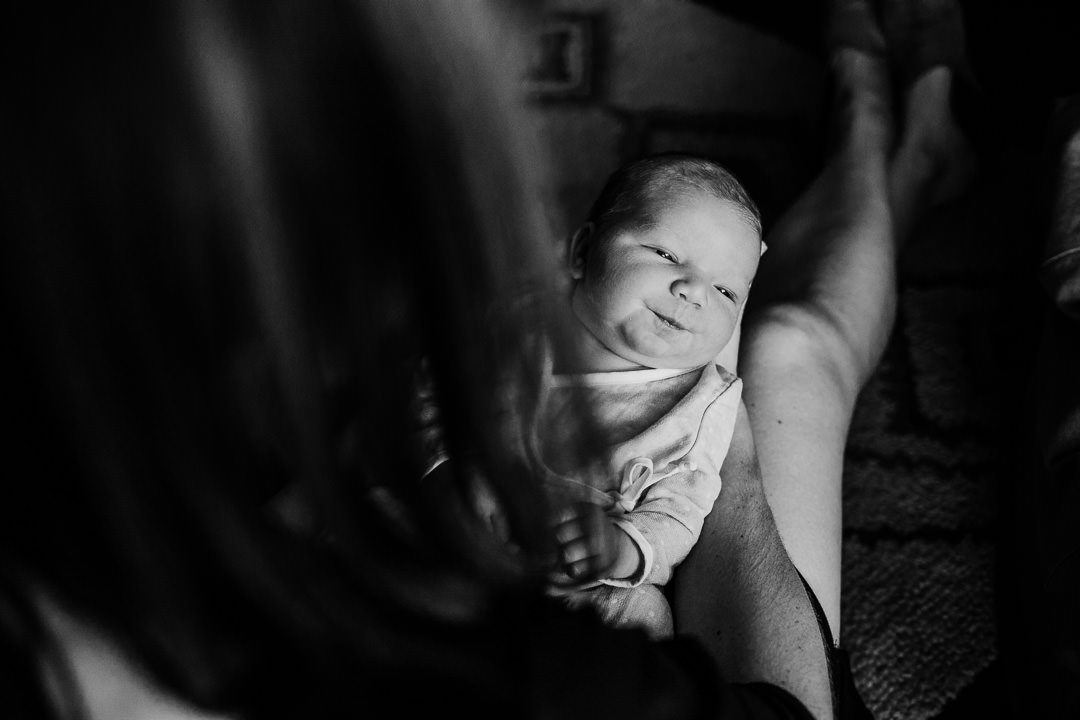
column 579, row 560
column 581, row 535
column 569, row 526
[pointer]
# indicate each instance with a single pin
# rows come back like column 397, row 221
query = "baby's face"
column 669, row 295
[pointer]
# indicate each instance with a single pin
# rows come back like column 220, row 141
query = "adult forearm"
column 739, row 594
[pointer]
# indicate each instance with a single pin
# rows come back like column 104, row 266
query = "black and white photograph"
column 541, row 359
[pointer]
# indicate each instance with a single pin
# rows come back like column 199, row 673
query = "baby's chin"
column 674, row 362
column 651, row 352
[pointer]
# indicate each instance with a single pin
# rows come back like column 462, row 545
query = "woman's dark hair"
column 231, row 230
column 636, row 194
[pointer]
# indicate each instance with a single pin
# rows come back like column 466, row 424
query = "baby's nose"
column 691, row 290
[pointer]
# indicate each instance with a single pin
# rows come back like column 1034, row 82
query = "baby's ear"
column 578, row 249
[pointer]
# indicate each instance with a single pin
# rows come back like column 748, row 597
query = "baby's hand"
column 588, row 542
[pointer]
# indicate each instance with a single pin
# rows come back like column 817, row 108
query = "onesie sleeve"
column 667, row 520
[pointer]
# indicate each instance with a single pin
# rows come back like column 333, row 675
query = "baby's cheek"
column 638, row 334
column 641, row 333
column 720, row 341
column 722, row 329
column 615, row 286
column 605, row 292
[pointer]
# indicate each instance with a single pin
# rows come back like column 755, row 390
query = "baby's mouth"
column 670, row 322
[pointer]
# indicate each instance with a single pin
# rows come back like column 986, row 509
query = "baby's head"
column 662, row 267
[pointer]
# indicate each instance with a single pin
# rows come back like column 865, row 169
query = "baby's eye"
column 665, row 254
column 726, row 293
